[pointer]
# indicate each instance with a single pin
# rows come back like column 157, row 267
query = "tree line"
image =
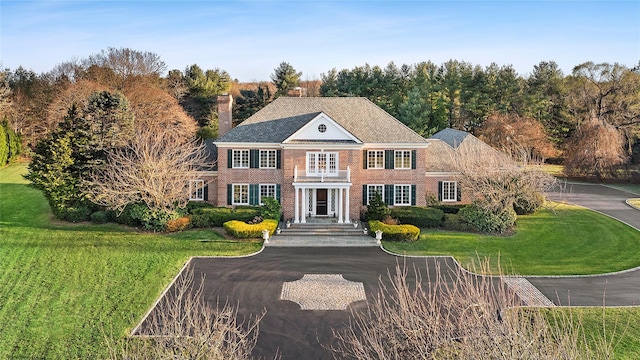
column 590, row 118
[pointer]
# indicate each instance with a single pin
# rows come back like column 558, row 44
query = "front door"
column 321, row 202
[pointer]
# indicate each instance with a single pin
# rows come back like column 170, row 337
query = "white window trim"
column 233, row 159
column 195, row 187
column 316, row 171
column 455, row 191
column 233, row 194
column 275, row 159
column 369, row 186
column 375, row 166
column 395, row 193
column 260, row 192
column 395, row 159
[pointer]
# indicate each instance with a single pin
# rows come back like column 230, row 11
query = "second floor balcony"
column 321, row 175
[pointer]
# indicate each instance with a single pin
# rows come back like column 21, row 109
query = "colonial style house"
column 326, row 157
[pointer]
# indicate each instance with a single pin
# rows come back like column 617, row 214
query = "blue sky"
column 250, row 38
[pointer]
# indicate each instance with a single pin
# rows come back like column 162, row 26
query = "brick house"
column 326, row 157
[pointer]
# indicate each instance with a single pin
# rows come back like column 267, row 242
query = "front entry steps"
column 321, row 232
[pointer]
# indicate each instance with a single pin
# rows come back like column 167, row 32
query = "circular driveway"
column 619, row 289
column 255, row 284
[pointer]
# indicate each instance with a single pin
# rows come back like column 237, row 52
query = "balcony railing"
column 322, row 176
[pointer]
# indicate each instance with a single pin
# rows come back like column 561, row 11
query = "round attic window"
column 322, row 128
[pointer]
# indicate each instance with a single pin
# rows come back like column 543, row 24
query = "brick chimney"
column 225, row 102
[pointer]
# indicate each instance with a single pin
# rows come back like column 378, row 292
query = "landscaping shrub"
column 194, row 205
column 73, row 213
column 180, row 224
column 242, row 230
column 420, row 216
column 454, row 222
column 141, row 215
column 528, row 204
column 377, row 209
column 270, row 209
column 100, row 217
column 487, row 221
column 217, row 216
column 449, row 209
column 394, row 232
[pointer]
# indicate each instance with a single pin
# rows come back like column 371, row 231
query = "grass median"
column 64, row 287
column 562, row 240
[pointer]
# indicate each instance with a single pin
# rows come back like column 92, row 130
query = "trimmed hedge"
column 242, row 230
column 420, row 216
column 449, row 209
column 179, row 224
column 217, row 216
column 394, row 232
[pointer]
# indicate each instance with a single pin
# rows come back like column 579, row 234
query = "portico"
column 321, row 200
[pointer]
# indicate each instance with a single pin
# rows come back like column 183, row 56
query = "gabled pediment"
column 322, row 129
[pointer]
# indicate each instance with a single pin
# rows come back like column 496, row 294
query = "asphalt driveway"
column 621, row 289
column 255, row 284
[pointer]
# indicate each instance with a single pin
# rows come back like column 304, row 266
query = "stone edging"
column 628, row 201
column 525, row 276
column 175, row 278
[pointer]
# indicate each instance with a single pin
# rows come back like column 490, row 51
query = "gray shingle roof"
column 359, row 116
column 451, row 136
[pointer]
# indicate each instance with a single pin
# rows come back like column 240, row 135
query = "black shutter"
column 413, row 159
column 388, row 194
column 229, row 194
column 364, row 195
column 458, row 192
column 254, row 158
column 365, row 157
column 278, row 159
column 439, row 190
column 206, row 193
column 413, row 195
column 278, row 192
column 254, row 194
column 229, row 159
column 389, row 159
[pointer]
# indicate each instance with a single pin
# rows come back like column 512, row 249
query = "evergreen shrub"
column 420, row 216
column 242, row 230
column 394, row 232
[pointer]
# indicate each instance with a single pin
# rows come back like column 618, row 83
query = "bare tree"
column 459, row 315
column 128, row 63
column 77, row 93
column 155, row 169
column 521, row 137
column 185, row 326
column 595, row 150
column 156, row 109
column 495, row 180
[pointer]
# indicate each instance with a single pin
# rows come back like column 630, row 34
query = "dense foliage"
column 404, row 232
column 10, row 143
column 242, row 230
column 422, row 217
column 208, row 216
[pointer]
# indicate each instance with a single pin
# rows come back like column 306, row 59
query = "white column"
column 305, row 207
column 297, row 206
column 339, row 199
column 346, row 206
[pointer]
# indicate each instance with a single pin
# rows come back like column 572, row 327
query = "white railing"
column 322, row 175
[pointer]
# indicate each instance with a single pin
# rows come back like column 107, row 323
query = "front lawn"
column 569, row 240
column 64, row 286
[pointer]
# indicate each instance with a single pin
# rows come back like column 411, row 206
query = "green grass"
column 569, row 240
column 63, row 285
column 620, row 326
